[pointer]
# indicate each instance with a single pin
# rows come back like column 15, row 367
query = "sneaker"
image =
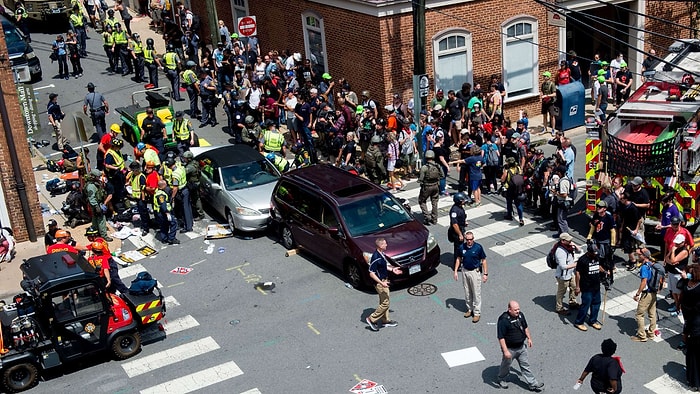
column 468, row 314
column 581, row 327
column 564, row 312
column 539, row 387
column 390, row 323
column 574, row 305
column 476, row 318
column 108, row 238
column 635, row 338
column 144, row 233
column 596, row 325
column 502, row 384
column 672, row 309
column 372, row 326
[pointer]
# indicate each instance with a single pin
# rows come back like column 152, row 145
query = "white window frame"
column 318, row 29
column 466, row 49
column 535, row 91
column 241, row 6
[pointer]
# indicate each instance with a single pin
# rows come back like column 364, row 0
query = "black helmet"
column 593, row 249
column 91, row 232
column 117, row 25
column 381, row 121
column 376, row 139
column 110, row 12
column 170, row 48
column 169, row 161
column 269, row 122
column 117, row 142
column 149, row 41
column 459, row 198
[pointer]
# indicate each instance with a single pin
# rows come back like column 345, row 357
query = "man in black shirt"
column 153, row 132
column 50, row 236
column 605, row 369
column 588, row 285
column 631, row 228
column 512, row 335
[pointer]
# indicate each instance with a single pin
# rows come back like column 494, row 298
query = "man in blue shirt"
column 472, row 260
column 379, row 272
column 646, row 295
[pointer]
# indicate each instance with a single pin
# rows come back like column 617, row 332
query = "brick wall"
column 9, row 183
column 675, row 11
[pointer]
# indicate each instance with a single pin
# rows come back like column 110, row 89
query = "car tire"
column 353, row 274
column 20, row 377
column 229, row 220
column 287, row 237
column 126, row 345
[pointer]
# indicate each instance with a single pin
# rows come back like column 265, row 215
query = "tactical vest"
column 120, row 37
column 152, row 156
column 76, row 20
column 168, row 175
column 181, row 176
column 118, row 159
column 189, row 77
column 170, row 62
column 137, row 47
column 107, row 39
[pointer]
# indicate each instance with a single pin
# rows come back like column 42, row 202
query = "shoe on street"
column 596, row 325
column 502, row 384
column 468, row 314
column 390, row 323
column 476, row 319
column 564, row 312
column 539, row 387
column 637, row 339
column 108, row 238
column 372, row 326
column 581, row 327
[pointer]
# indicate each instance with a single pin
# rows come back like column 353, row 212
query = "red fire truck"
column 654, row 135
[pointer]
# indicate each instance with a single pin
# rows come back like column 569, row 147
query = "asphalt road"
column 307, row 334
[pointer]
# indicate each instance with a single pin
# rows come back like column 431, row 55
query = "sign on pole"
column 423, row 85
column 247, row 26
column 556, row 19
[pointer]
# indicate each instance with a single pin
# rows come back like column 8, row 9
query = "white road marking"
column 665, row 384
column 621, row 304
column 197, row 380
column 462, row 357
column 520, row 244
column 180, row 324
column 167, row 357
column 132, row 270
column 538, row 266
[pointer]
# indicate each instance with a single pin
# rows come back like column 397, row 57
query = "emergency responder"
column 93, row 235
column 192, row 172
column 191, row 83
column 136, row 52
column 102, row 257
column 428, row 179
column 137, row 182
column 150, row 57
column 272, row 141
column 374, row 161
column 152, row 178
column 98, row 260
column 78, row 26
column 120, row 50
column 110, row 20
column 207, row 92
column 56, row 115
column 115, row 170
column 278, row 161
column 99, row 108
column 50, row 236
column 153, row 132
column 21, row 19
column 64, row 243
column 149, row 154
column 95, row 193
column 172, row 67
column 182, row 206
column 106, row 143
column 234, row 117
column 108, row 44
column 251, row 131
column 166, row 171
column 183, row 133
column 162, row 208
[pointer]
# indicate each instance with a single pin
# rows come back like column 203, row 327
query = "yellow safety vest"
column 180, row 174
column 76, row 20
column 107, row 39
column 189, row 77
column 118, row 159
column 170, row 62
column 281, row 163
column 168, row 175
column 273, row 141
column 148, row 55
column 156, row 205
column 111, row 22
column 137, row 47
column 120, row 37
column 182, row 130
column 152, row 156
column 136, row 186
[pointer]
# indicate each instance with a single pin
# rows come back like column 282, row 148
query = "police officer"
column 272, row 140
column 191, row 83
column 182, row 132
column 458, row 222
column 136, row 51
column 150, row 58
column 119, row 50
column 251, row 131
column 94, row 191
column 114, row 169
column 233, row 118
column 99, row 108
column 162, row 207
column 137, row 180
column 172, row 67
column 428, row 179
column 181, row 196
column 207, row 92
column 278, row 161
column 108, row 44
column 192, row 172
column 153, row 132
column 21, row 19
column 78, row 26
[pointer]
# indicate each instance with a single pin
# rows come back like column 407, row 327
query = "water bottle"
column 348, row 285
column 577, row 386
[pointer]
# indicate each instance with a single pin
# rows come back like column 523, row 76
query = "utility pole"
column 419, row 92
column 213, row 23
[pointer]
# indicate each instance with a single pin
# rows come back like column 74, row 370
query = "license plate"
column 56, row 11
column 414, row 269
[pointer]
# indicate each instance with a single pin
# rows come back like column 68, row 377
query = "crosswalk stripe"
column 197, row 380
column 472, row 213
column 621, row 304
column 525, row 243
column 170, row 356
column 538, row 266
column 667, row 385
column 170, row 302
column 252, row 391
column 180, row 324
column 131, row 270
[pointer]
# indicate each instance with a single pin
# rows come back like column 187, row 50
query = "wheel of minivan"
column 353, row 274
column 287, row 238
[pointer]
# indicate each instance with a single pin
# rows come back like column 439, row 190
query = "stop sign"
column 247, row 26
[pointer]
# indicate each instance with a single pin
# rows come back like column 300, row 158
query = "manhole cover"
column 422, row 289
column 500, row 243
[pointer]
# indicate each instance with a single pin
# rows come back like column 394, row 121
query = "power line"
column 656, row 18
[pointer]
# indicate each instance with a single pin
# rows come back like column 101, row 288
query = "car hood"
column 400, row 239
column 257, row 197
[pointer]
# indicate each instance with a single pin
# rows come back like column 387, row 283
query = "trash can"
column 571, row 106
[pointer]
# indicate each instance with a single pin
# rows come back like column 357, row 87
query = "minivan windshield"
column 12, row 35
column 373, row 213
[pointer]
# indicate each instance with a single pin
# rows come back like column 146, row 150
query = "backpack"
column 433, row 174
column 492, row 157
column 143, row 284
column 551, row 258
column 196, row 23
column 370, row 160
column 516, row 184
column 573, row 190
column 657, row 274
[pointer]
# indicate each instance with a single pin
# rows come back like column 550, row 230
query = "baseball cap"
column 623, row 64
column 637, row 181
column 675, row 220
column 396, row 95
column 516, row 136
column 602, row 204
column 679, row 239
column 439, row 91
column 326, row 76
column 464, row 131
column 601, row 72
column 604, row 63
column 566, row 237
column 52, row 223
column 389, row 107
column 601, row 78
column 437, row 107
column 546, row 74
column 90, row 85
column 359, row 109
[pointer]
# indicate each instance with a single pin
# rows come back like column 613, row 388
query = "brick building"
column 11, row 212
column 370, row 42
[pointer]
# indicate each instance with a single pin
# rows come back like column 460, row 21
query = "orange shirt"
column 392, row 123
column 104, row 243
column 101, row 261
column 60, row 247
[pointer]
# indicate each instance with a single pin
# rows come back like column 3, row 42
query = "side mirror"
column 216, row 187
column 335, row 233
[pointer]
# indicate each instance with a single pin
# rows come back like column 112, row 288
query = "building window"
column 315, row 41
column 520, row 60
column 239, row 9
column 452, row 56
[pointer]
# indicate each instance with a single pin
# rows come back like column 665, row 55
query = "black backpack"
column 196, row 23
column 143, row 284
column 551, row 258
column 657, row 274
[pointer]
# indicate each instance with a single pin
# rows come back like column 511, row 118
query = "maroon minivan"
column 337, row 216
